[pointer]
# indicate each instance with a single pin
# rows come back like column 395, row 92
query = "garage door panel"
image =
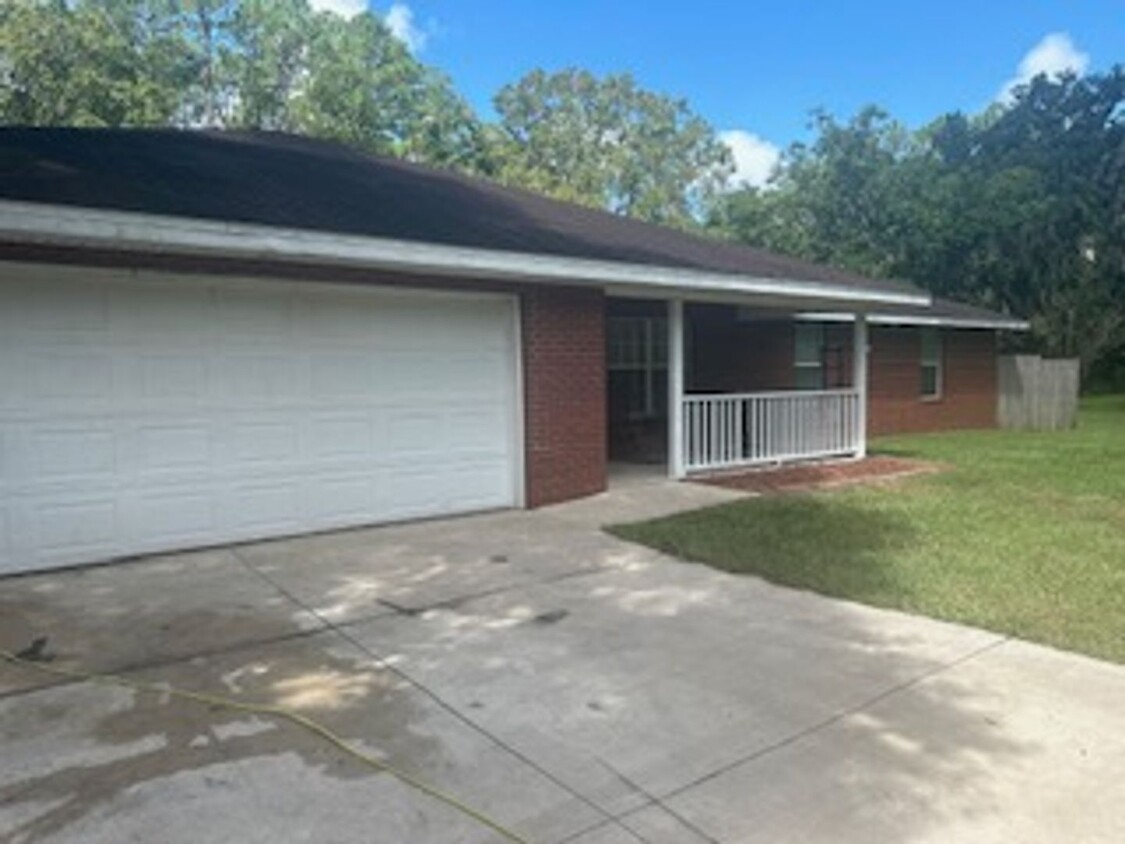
column 163, row 447
column 73, row 527
column 5, row 533
column 257, row 441
column 254, row 315
column 339, row 501
column 145, row 412
column 170, row 312
column 74, row 453
column 55, row 307
column 336, row 438
column 161, row 518
column 181, row 375
column 473, row 428
column 253, row 376
column 68, row 375
column 481, row 485
column 263, row 508
column 417, row 491
column 337, row 375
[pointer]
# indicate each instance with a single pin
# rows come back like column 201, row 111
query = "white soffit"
column 72, row 226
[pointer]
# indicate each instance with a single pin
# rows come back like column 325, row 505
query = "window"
column 931, row 363
column 638, row 359
column 808, row 359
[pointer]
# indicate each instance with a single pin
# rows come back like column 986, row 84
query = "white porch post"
column 676, row 388
column 859, row 382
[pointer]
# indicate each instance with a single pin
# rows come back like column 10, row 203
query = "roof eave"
column 923, row 320
column 97, row 228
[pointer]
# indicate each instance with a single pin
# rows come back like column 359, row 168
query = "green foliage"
column 1021, row 208
column 608, row 143
column 262, row 64
column 85, row 64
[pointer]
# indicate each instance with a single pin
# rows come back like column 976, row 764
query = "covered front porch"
column 702, row 387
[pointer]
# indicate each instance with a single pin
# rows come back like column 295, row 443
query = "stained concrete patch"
column 111, row 617
column 92, row 763
column 361, row 574
column 660, row 673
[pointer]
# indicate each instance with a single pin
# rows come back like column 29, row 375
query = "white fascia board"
column 61, row 225
column 1000, row 324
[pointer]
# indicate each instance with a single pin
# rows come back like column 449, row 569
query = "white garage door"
column 145, row 412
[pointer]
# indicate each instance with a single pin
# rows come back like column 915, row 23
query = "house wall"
column 732, row 355
column 968, row 395
column 565, row 392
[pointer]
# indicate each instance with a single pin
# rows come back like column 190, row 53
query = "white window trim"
column 810, row 365
column 648, row 364
column 937, row 363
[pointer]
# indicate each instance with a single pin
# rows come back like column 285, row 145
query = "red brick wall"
column 564, row 374
column 968, row 395
column 737, row 356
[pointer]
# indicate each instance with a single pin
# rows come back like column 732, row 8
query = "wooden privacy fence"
column 1037, row 394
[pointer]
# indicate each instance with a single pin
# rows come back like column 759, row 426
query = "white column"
column 676, row 388
column 859, row 380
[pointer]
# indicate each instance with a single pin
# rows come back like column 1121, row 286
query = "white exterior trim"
column 519, row 412
column 676, row 462
column 860, row 351
column 920, row 320
column 57, row 225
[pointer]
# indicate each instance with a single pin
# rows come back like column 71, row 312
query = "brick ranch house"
column 210, row 337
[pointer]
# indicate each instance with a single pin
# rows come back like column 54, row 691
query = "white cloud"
column 754, row 158
column 343, row 8
column 400, row 21
column 1054, row 55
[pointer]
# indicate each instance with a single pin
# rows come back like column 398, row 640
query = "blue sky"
column 757, row 68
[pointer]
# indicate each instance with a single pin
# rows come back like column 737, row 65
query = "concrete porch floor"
column 578, row 688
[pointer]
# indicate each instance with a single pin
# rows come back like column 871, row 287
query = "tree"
column 1020, row 208
column 91, row 64
column 361, row 85
column 256, row 64
column 608, row 143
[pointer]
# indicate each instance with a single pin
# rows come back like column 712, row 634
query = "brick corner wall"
column 968, row 395
column 564, row 373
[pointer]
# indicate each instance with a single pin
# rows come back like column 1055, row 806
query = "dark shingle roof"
column 283, row 180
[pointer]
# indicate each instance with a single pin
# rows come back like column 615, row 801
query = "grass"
column 1025, row 535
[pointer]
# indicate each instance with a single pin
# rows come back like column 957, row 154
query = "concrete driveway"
column 574, row 687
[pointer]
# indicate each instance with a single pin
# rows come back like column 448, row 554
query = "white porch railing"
column 742, row 429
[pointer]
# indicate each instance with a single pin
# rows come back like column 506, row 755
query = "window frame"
column 809, row 365
column 931, row 356
column 638, row 345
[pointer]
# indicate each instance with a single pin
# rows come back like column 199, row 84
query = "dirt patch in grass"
column 822, row 475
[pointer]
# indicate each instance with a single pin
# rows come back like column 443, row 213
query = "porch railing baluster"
column 743, row 429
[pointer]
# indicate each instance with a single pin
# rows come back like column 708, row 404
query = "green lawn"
column 1024, row 535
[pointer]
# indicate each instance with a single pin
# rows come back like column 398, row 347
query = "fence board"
column 1037, row 394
